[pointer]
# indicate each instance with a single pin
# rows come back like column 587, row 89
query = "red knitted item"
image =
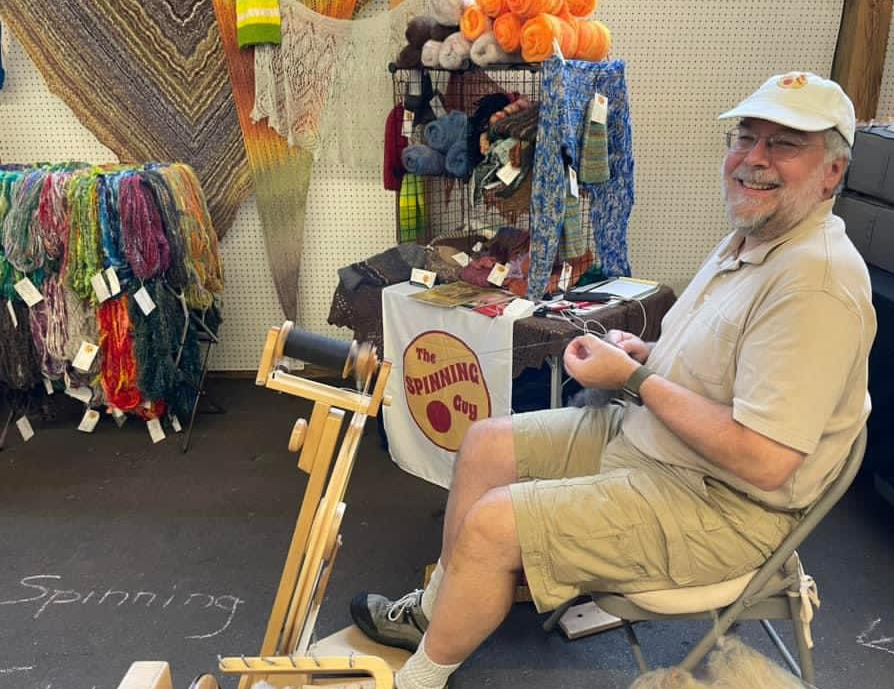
column 395, row 143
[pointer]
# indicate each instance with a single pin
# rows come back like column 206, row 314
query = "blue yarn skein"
column 446, row 131
column 422, row 160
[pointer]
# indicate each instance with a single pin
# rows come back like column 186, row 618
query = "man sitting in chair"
column 737, row 417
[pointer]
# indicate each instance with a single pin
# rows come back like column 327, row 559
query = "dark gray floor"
column 206, row 533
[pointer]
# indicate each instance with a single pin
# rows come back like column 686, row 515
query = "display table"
column 453, row 366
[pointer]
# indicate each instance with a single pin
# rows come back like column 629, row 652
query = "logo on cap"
column 444, row 386
column 795, row 80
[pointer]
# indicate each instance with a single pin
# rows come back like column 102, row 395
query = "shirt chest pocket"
column 710, row 345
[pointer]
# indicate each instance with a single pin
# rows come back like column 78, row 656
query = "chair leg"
column 781, row 647
column 718, row 629
column 805, row 654
column 635, row 647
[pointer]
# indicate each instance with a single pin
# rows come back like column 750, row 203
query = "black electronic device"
column 572, row 295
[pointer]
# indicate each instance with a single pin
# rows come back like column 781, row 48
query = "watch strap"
column 636, row 379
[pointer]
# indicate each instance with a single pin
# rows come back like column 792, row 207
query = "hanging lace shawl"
column 326, row 88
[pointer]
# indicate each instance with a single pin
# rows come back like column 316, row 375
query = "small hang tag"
column 28, row 292
column 497, row 274
column 119, row 416
column 100, row 288
column 114, row 283
column 156, row 432
column 565, row 277
column 415, row 84
column 422, row 278
column 85, row 356
column 144, row 301
column 24, row 426
column 508, row 173
column 599, row 109
column 89, row 421
column 437, row 106
column 175, row 423
column 83, row 394
column 462, row 258
column 406, row 128
column 573, row 189
column 48, row 386
column 477, row 247
column 12, row 314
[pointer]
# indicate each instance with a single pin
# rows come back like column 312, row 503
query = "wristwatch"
column 631, row 387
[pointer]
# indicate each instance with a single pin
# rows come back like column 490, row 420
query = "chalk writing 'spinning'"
column 44, row 596
column 882, row 643
column 10, row 670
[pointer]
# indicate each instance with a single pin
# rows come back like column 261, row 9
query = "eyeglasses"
column 783, row 146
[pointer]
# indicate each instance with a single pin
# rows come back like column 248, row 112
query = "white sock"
column 430, row 594
column 420, row 672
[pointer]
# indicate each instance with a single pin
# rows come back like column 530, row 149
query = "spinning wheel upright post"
column 316, row 538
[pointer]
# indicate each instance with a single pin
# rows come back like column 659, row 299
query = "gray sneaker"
column 399, row 623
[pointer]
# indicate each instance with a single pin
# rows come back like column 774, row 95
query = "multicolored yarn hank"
column 118, row 373
column 149, row 80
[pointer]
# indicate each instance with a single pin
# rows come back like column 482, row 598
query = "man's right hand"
column 630, row 343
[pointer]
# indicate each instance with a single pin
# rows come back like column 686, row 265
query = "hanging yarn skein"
column 118, row 373
column 22, row 241
column 145, row 245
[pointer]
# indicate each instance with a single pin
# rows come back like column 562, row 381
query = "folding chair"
column 778, row 590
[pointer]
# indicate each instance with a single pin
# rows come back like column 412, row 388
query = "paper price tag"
column 406, row 128
column 100, row 288
column 478, row 247
column 175, row 423
column 422, row 278
column 48, row 386
column 565, row 277
column 508, row 173
column 437, row 106
column 156, row 432
column 497, row 274
column 119, row 416
column 599, row 109
column 28, row 292
column 12, row 314
column 89, row 421
column 85, row 356
column 114, row 283
column 82, row 394
column 144, row 301
column 24, row 426
column 462, row 258
column 573, row 189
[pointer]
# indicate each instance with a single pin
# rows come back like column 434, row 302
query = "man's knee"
column 488, row 445
column 489, row 530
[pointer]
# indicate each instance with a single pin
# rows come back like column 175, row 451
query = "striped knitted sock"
column 258, row 21
column 594, row 154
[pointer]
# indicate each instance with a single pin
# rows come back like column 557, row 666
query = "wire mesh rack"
column 432, row 208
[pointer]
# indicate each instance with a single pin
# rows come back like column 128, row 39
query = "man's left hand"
column 595, row 363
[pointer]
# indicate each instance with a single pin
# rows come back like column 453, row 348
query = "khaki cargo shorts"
column 593, row 513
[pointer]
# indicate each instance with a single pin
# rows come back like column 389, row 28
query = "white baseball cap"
column 800, row 100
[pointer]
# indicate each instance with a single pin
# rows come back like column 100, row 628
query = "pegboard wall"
column 885, row 109
column 687, row 61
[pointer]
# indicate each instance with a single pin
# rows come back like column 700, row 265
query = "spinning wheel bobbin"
column 333, row 354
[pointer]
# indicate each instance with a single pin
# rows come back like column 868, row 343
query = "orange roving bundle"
column 492, row 8
column 474, row 22
column 594, row 41
column 507, row 29
column 537, row 38
column 531, row 8
column 581, row 8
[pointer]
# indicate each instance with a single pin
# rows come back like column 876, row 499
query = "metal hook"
column 244, row 661
column 268, row 661
column 292, row 660
column 351, row 660
column 220, row 661
column 313, row 656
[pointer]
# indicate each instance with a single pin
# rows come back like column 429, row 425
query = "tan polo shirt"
column 782, row 334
